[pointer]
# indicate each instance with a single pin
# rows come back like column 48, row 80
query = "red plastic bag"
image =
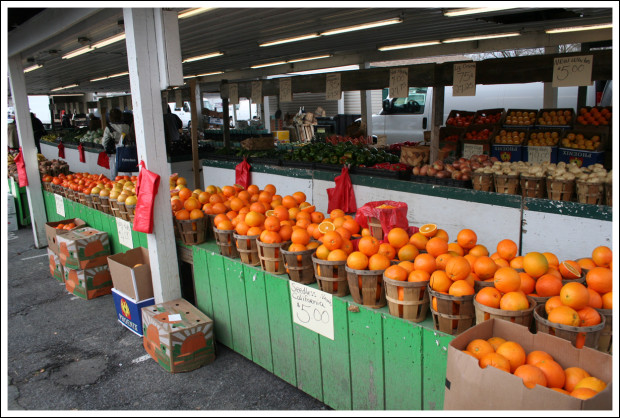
column 242, row 174
column 146, row 190
column 103, row 160
column 61, row 150
column 389, row 218
column 342, row 196
column 21, row 169
column 81, row 151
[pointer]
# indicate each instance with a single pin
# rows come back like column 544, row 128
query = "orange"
column 281, row 213
column 595, row 300
column 531, row 375
column 583, row 393
column 253, row 218
column 312, row 245
column 591, row 382
column 466, row 238
column 254, row 231
column 408, row 252
column 472, row 259
column 561, row 391
column 588, row 317
column 228, row 191
column 337, row 255
column 507, row 249
column 514, row 352
column 528, row 284
column 336, row 213
column 378, row 262
column 300, row 236
column 586, row 263
column 387, row 250
column 456, row 248
column 457, row 268
column 517, row 262
column 548, row 285
column 607, row 300
column 570, row 269
column 214, row 198
column 461, row 288
column 507, row 279
column 552, row 259
column 496, row 342
column 425, row 262
column 602, row 256
column 436, row 246
column 346, row 246
column 484, row 267
column 224, row 225
column 332, row 240
column 369, row 245
column 407, row 265
column 316, row 217
column 439, row 281
column 479, row 347
column 300, row 197
column 182, row 215
column 418, row 240
column 495, row 360
column 573, row 376
column 535, row 356
column 441, row 260
column 219, row 218
column 397, row 237
column 286, row 231
column 253, row 189
column 219, row 208
column 322, row 253
column 535, row 264
column 599, row 279
column 326, row 226
column 479, row 250
column 442, row 234
column 514, row 301
column 191, row 204
column 242, row 228
column 176, row 204
column 185, row 194
column 575, row 295
column 272, row 223
column 352, row 226
column 489, row 296
column 293, row 212
column 564, row 315
column 345, row 233
column 270, row 237
column 418, row 276
column 356, row 260
column 396, row 272
column 428, row 230
column 552, row 303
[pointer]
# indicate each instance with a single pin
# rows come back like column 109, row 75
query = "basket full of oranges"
column 298, row 260
column 405, row 292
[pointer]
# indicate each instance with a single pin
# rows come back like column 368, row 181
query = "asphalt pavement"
column 66, row 353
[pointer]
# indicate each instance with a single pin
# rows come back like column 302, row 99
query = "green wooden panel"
column 308, row 361
column 366, row 345
column 335, row 365
column 97, row 219
column 202, row 285
column 219, row 296
column 402, row 350
column 90, row 215
column 81, row 211
column 48, row 206
column 113, row 234
column 258, row 317
column 235, row 283
column 69, row 209
column 435, row 355
column 281, row 328
column 135, row 237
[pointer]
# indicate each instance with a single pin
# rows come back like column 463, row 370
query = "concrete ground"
column 65, row 353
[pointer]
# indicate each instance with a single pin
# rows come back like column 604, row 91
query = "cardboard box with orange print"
column 89, row 283
column 56, row 269
column 178, row 336
column 469, row 387
column 83, row 248
column 51, row 232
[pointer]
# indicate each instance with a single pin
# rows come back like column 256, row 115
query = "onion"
column 438, row 165
column 475, row 165
column 431, row 171
column 424, row 170
column 487, row 163
column 466, row 170
column 416, row 171
column 442, row 174
column 483, row 157
column 450, row 168
column 457, row 175
column 466, row 177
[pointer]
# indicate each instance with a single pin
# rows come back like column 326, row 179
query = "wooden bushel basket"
column 374, row 225
column 560, row 189
column 247, row 248
column 540, row 300
column 581, row 279
column 131, row 212
column 271, row 257
column 415, row 303
column 331, row 276
column 82, row 198
column 298, row 264
column 483, row 182
column 590, row 193
column 480, row 284
column 604, row 341
column 454, row 314
column 226, row 243
column 371, row 284
column 533, row 187
column 588, row 335
column 123, row 212
column 525, row 317
column 115, row 208
column 506, row 184
column 192, row 231
column 105, row 205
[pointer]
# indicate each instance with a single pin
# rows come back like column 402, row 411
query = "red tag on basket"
column 146, row 190
column 342, row 196
column 61, row 150
column 21, row 169
column 103, row 160
column 81, row 151
column 242, row 173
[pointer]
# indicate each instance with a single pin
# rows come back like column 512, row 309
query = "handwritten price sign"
column 333, row 89
column 472, row 149
column 257, row 92
column 572, row 71
column 538, row 154
column 60, row 205
column 233, row 94
column 286, row 90
column 399, row 82
column 464, row 79
column 312, row 309
column 123, row 228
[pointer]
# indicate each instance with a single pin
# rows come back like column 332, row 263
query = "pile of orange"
column 67, row 226
column 535, row 368
column 122, row 188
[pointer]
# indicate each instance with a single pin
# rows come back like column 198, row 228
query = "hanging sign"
column 538, row 154
column 464, row 79
column 572, row 71
column 233, row 94
column 333, row 87
column 60, row 205
column 123, row 228
column 286, row 90
column 312, row 309
column 257, row 92
column 178, row 98
column 399, row 82
column 472, row 149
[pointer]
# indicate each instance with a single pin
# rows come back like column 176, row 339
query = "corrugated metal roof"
column 238, row 31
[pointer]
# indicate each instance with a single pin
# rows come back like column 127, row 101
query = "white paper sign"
column 174, row 317
column 399, row 82
column 536, row 154
column 286, row 90
column 472, row 149
column 572, row 71
column 333, row 88
column 312, row 309
column 233, row 94
column 60, row 205
column 464, row 79
column 257, row 92
column 123, row 228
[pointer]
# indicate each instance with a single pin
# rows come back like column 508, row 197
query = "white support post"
column 144, row 77
column 266, row 111
column 36, row 205
column 366, row 102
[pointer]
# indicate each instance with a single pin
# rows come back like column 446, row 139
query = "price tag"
column 123, row 228
column 257, row 92
column 233, row 94
column 472, row 149
column 572, row 71
column 464, row 79
column 312, row 309
column 538, row 154
column 399, row 82
column 60, row 205
column 333, row 89
column 286, row 90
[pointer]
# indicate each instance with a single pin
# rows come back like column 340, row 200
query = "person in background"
column 66, row 121
column 38, row 131
column 173, row 126
column 112, row 135
column 13, row 138
column 94, row 122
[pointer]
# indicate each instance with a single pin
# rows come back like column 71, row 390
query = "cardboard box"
column 470, row 387
column 12, row 225
column 89, row 283
column 129, row 311
column 178, row 336
column 507, row 152
column 51, row 232
column 83, row 248
column 135, row 282
column 582, row 158
column 56, row 268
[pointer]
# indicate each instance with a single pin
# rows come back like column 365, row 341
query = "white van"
column 406, row 119
column 184, row 113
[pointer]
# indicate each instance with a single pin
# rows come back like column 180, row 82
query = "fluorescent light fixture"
column 293, row 39
column 403, row 46
column 32, row 68
column 476, row 38
column 193, row 12
column 269, row 64
column 360, row 27
column 310, row 58
column 473, row 10
column 64, row 87
column 67, row 95
column 203, row 57
column 580, row 28
column 77, row 52
column 109, row 41
column 110, row 76
column 203, row 75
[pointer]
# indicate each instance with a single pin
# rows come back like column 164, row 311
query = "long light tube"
column 109, row 41
column 203, row 57
column 580, row 28
column 403, row 46
column 193, row 12
column 269, row 64
column 64, row 87
column 476, row 38
column 293, row 39
column 77, row 52
column 318, row 57
column 110, row 76
column 474, row 10
column 204, row 75
column 32, row 68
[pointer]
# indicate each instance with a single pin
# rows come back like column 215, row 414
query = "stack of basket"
column 270, row 256
column 366, row 287
column 331, row 276
column 590, row 193
column 298, row 264
column 226, row 242
column 483, row 181
column 506, row 183
column 578, row 336
column 192, row 231
column 247, row 248
column 452, row 314
column 407, row 300
column 560, row 189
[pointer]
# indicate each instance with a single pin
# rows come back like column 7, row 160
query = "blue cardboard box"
column 582, row 158
column 507, row 153
column 129, row 312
